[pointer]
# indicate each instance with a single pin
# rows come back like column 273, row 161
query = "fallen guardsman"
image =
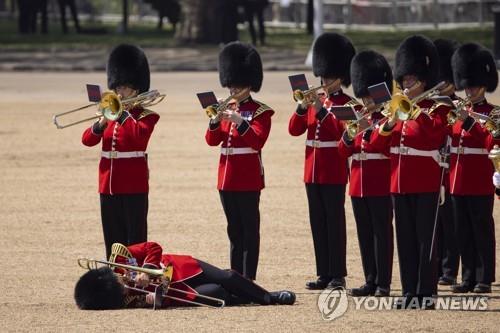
column 142, row 276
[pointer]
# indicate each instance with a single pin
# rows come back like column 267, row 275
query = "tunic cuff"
column 347, row 140
column 243, row 127
column 321, row 114
column 300, row 110
column 97, row 129
column 468, row 123
column 213, row 126
column 385, row 130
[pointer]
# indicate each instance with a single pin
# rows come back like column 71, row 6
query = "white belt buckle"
column 229, row 150
column 362, row 156
column 403, row 150
column 113, row 154
column 316, row 143
column 460, row 150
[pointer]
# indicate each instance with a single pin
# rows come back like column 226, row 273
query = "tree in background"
column 171, row 9
column 208, row 21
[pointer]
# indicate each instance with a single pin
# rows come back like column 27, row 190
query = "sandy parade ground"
column 49, row 216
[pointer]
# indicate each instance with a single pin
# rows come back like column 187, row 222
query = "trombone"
column 309, row 95
column 111, row 106
column 162, row 278
column 452, row 116
column 213, row 111
column 404, row 107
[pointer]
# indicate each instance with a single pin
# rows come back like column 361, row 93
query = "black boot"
column 283, row 297
column 382, row 291
column 482, row 288
column 336, row 283
column 463, row 287
column 447, row 281
column 320, row 283
column 368, row 289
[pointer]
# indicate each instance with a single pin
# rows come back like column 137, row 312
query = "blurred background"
column 187, row 34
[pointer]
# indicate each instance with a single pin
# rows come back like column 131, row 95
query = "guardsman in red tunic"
column 370, row 180
column 448, row 254
column 415, row 171
column 242, row 133
column 471, row 189
column 123, row 169
column 100, row 289
column 325, row 170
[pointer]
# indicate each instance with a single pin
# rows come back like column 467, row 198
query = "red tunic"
column 242, row 172
column 409, row 140
column 370, row 168
column 124, row 175
column 471, row 170
column 323, row 165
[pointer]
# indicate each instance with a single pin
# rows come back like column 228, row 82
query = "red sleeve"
column 148, row 253
column 140, row 130
column 435, row 124
column 89, row 138
column 213, row 136
column 346, row 146
column 255, row 134
column 298, row 123
column 484, row 136
column 381, row 139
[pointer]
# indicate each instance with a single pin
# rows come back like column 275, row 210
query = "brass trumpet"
column 112, row 105
column 308, row 96
column 214, row 110
column 162, row 279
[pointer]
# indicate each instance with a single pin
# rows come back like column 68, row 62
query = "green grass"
column 146, row 35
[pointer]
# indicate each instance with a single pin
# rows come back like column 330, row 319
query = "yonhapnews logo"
column 332, row 303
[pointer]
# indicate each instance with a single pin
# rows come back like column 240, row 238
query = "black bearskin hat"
column 240, row 66
column 418, row 56
column 99, row 289
column 445, row 49
column 332, row 55
column 369, row 68
column 474, row 66
column 128, row 65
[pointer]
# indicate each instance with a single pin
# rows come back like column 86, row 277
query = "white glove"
column 496, row 179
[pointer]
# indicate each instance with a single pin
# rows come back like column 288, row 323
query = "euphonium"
column 308, row 96
column 214, row 110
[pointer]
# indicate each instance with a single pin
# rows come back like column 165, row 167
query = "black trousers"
column 448, row 255
column 476, row 236
column 124, row 219
column 415, row 215
column 373, row 217
column 252, row 11
column 228, row 285
column 327, row 219
column 243, row 230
